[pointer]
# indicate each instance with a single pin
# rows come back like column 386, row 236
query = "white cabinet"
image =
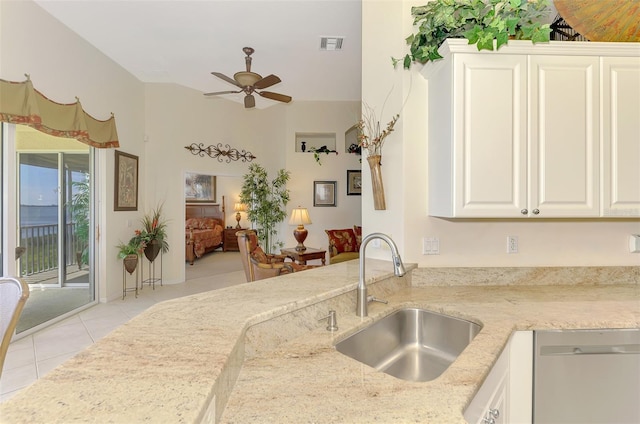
column 506, row 394
column 563, row 165
column 621, row 136
column 516, row 133
column 477, row 137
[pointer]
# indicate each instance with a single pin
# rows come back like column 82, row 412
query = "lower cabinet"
column 506, row 394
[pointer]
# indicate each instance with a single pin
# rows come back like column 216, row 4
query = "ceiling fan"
column 249, row 82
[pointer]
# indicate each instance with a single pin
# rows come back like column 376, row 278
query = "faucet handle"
column 332, row 321
column 375, row 299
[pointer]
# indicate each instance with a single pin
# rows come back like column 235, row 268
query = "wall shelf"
column 317, row 140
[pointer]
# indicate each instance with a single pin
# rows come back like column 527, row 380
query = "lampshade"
column 299, row 216
column 239, row 207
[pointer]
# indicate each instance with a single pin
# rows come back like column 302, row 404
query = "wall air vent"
column 331, row 43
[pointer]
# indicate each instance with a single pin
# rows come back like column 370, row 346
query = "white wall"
column 177, row 116
column 63, row 66
column 321, row 117
column 596, row 242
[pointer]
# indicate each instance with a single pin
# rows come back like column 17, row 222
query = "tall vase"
column 376, row 182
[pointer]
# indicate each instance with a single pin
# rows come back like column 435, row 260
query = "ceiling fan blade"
column 267, row 81
column 275, row 96
column 222, row 92
column 249, row 101
column 226, row 78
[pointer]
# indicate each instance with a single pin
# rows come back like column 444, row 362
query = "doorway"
column 53, row 219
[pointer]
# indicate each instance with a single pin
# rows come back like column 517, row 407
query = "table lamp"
column 299, row 217
column 239, row 207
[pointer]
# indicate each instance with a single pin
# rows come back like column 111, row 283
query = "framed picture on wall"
column 354, row 182
column 126, row 182
column 199, row 188
column 324, row 193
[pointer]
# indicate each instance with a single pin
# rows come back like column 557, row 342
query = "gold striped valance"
column 20, row 103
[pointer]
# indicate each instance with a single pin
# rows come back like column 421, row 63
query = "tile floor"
column 33, row 356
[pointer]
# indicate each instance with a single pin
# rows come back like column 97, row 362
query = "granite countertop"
column 178, row 361
column 307, row 380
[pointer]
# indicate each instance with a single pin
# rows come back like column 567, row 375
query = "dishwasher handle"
column 624, row 349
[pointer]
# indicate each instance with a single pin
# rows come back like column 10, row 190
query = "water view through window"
column 53, row 219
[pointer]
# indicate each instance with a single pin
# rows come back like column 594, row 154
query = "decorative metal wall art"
column 217, row 152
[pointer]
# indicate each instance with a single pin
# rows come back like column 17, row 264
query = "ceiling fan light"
column 246, row 78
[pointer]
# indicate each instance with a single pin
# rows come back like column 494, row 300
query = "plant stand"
column 152, row 273
column 126, row 289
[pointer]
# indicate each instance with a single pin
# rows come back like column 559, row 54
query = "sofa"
column 344, row 244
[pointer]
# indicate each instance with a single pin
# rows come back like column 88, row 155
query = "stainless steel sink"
column 411, row 344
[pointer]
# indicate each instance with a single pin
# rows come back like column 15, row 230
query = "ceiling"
column 183, row 41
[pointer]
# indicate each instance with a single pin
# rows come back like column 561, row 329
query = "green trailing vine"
column 480, row 21
column 323, row 149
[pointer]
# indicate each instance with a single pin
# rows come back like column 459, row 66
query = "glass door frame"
column 11, row 239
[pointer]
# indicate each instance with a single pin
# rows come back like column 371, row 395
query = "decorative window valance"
column 20, row 103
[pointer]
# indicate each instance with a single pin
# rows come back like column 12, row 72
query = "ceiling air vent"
column 331, row 43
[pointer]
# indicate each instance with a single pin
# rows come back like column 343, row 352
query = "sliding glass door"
column 54, row 215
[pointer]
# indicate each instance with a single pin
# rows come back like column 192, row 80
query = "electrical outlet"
column 375, row 243
column 430, row 246
column 512, row 244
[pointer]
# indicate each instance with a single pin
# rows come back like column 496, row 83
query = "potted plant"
column 479, row 21
column 153, row 236
column 79, row 209
column 266, row 201
column 129, row 252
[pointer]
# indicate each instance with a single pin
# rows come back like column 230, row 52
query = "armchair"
column 258, row 264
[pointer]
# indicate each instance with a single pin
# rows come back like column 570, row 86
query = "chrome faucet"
column 362, row 299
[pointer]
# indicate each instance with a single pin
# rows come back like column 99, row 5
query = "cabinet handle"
column 489, row 421
column 524, row 211
column 536, row 211
column 495, row 413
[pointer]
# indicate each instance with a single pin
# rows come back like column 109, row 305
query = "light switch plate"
column 634, row 243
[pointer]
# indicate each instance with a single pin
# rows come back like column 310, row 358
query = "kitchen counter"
column 179, row 361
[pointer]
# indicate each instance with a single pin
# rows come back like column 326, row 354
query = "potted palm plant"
column 79, row 208
column 266, row 201
column 482, row 22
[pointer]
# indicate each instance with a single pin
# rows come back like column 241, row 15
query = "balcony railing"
column 41, row 244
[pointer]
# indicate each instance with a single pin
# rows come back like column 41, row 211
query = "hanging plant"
column 323, row 149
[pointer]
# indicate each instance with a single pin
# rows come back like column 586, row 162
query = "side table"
column 302, row 256
column 230, row 240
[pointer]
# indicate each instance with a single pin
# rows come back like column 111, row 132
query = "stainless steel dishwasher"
column 586, row 376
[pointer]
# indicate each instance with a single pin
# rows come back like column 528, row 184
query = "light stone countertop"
column 307, row 381
column 178, row 361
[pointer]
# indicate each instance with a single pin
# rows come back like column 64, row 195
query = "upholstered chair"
column 257, row 264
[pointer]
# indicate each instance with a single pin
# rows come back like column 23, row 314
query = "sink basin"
column 411, row 344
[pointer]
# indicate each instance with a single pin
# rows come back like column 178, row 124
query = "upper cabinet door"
column 564, row 138
column 621, row 136
column 490, row 135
